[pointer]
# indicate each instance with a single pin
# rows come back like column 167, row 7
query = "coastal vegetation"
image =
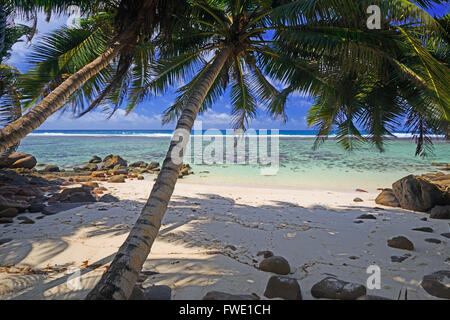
column 128, row 51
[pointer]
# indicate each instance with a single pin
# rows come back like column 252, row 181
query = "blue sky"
column 148, row 115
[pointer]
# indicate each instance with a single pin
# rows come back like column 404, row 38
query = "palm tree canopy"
column 371, row 81
column 241, row 25
column 62, row 53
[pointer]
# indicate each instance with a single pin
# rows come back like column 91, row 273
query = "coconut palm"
column 10, row 34
column 134, row 22
column 10, row 107
column 234, row 33
column 379, row 77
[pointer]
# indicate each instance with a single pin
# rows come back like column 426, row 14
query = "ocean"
column 330, row 167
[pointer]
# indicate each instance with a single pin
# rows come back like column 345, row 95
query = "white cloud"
column 99, row 121
column 211, row 118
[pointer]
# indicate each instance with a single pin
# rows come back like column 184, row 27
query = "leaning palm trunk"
column 16, row 113
column 19, row 129
column 118, row 282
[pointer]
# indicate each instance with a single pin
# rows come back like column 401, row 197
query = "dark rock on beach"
column 158, row 293
column 25, row 163
column 424, row 229
column 6, row 160
column 401, row 242
column 9, row 203
column 118, row 170
column 90, row 167
column 51, row 168
column 95, row 160
column 440, row 212
column 437, row 284
column 153, row 166
column 432, row 240
column 139, row 164
column 9, row 213
column 387, row 198
column 74, row 195
column 107, row 198
column 6, row 220
column 112, row 161
column 367, row 217
column 36, row 207
column 278, row 265
column 284, row 288
column 420, row 193
column 17, row 160
column 117, row 179
column 333, row 288
column 25, row 220
column 400, row 259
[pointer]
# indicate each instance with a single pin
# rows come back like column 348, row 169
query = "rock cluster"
column 115, row 169
column 427, row 193
column 17, row 160
column 31, row 192
column 23, row 193
column 278, row 265
column 74, row 195
column 24, row 189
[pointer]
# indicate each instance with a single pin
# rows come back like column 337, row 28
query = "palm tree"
column 234, row 33
column 10, row 34
column 10, row 107
column 135, row 21
column 373, row 79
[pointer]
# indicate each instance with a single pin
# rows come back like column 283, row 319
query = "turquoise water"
column 329, row 167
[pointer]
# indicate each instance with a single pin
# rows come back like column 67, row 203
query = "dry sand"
column 313, row 230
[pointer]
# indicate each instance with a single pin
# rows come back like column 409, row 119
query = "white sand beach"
column 210, row 240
